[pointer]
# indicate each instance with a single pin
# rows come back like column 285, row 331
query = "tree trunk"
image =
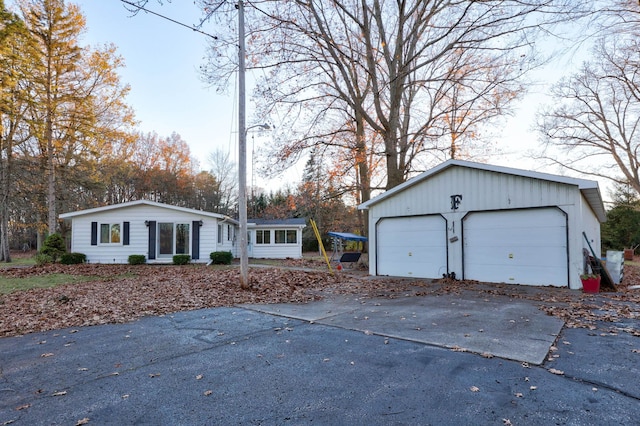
column 5, row 175
column 364, row 173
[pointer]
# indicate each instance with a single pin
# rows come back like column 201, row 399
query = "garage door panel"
column 412, row 246
column 518, row 246
column 544, row 236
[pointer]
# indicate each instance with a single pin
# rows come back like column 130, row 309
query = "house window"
column 286, row 236
column 229, row 233
column 165, row 239
column 173, row 238
column 182, row 238
column 220, row 234
column 263, row 236
column 109, row 233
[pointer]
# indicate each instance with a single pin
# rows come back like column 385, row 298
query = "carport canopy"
column 347, row 236
column 338, row 245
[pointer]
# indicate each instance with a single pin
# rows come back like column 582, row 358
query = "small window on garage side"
column 220, row 228
column 109, row 233
column 292, row 236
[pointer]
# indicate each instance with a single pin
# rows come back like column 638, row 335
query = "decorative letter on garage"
column 455, row 201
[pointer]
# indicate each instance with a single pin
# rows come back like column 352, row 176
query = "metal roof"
column 589, row 188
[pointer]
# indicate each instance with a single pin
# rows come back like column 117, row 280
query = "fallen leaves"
column 474, row 389
column 123, row 293
column 557, row 372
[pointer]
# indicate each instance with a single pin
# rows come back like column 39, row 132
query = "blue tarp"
column 347, row 236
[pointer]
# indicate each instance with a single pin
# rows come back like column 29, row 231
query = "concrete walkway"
column 498, row 327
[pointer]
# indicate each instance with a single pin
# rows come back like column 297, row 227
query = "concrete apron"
column 502, row 328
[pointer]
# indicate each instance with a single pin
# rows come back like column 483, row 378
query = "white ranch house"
column 159, row 231
column 486, row 223
column 275, row 239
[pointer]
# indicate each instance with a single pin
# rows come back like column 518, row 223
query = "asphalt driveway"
column 348, row 361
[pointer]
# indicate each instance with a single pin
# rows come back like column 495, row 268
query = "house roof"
column 301, row 222
column 111, row 207
column 589, row 188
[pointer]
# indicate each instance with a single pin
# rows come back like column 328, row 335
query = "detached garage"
column 487, row 223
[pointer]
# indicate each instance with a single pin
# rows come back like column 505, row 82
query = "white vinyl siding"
column 139, row 233
column 276, row 242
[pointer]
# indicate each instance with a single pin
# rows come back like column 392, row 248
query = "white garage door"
column 516, row 246
column 412, row 246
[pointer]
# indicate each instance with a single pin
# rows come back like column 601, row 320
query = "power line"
column 168, row 19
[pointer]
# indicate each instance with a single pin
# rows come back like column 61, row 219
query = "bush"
column 181, row 259
column 42, row 259
column 137, row 259
column 54, row 247
column 221, row 257
column 73, row 258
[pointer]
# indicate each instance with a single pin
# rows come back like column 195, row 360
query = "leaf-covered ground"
column 123, row 293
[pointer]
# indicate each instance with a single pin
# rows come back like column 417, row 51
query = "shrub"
column 42, row 259
column 73, row 258
column 221, row 257
column 137, row 259
column 181, row 259
column 54, row 247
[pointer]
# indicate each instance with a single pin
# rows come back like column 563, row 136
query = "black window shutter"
column 125, row 232
column 94, row 233
column 195, row 240
column 152, row 239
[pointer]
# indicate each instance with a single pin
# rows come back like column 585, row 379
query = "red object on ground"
column 628, row 254
column 339, row 267
column 591, row 285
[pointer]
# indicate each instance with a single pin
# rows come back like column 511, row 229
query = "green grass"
column 19, row 261
column 9, row 285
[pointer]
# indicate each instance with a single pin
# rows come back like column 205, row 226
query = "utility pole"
column 242, row 153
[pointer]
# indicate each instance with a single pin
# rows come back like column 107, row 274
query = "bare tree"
column 386, row 66
column 595, row 121
column 223, row 170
